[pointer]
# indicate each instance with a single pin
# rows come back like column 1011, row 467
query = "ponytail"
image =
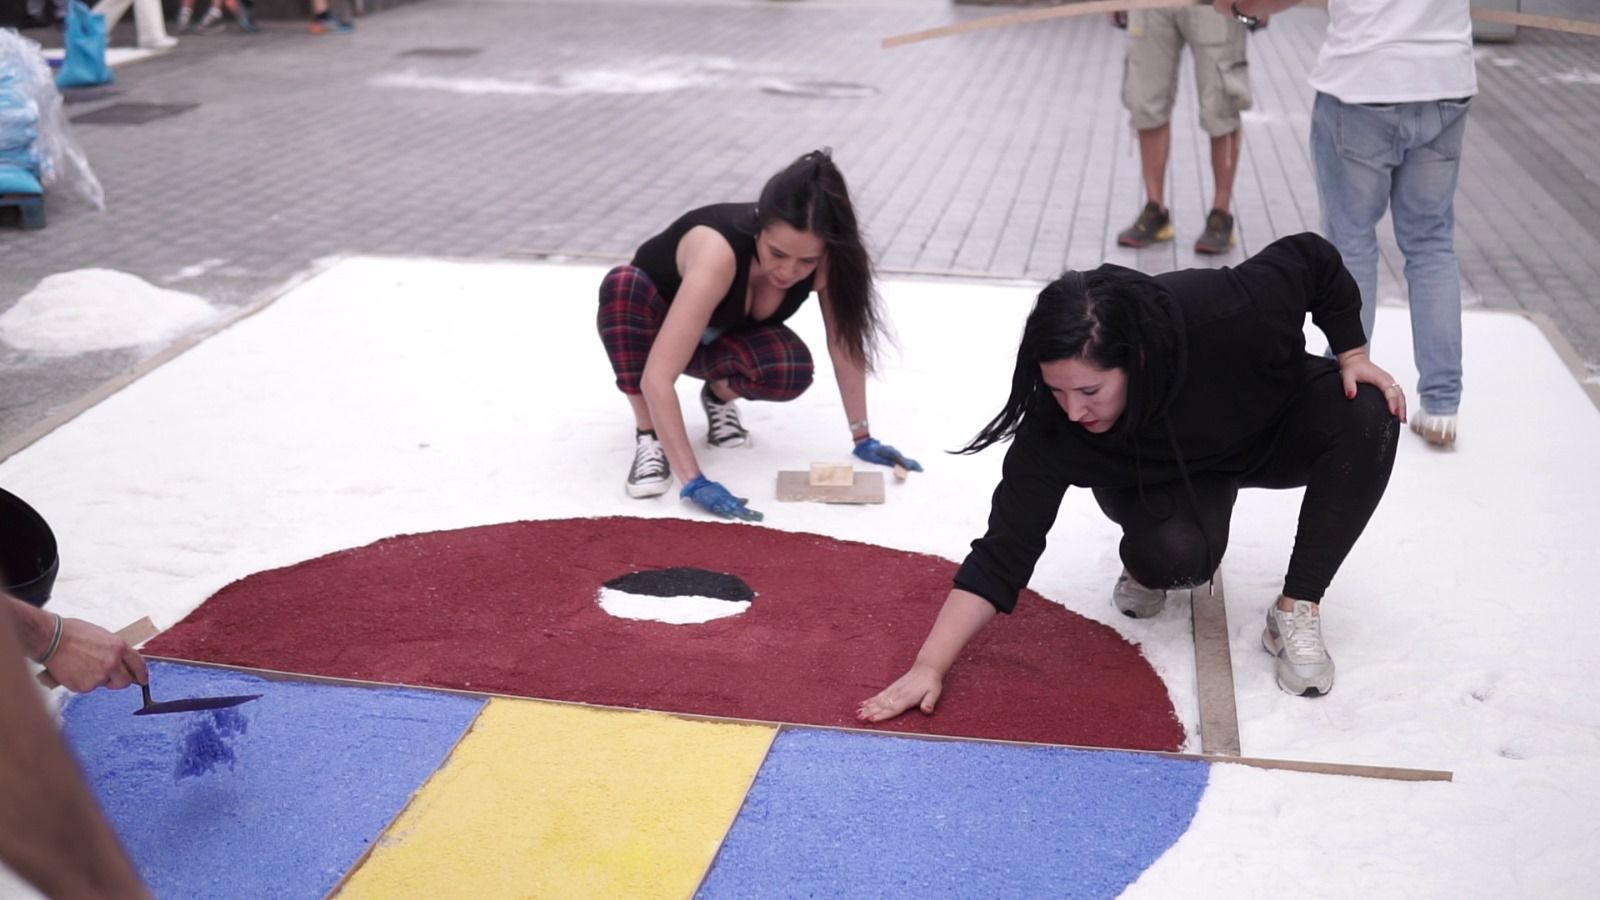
column 810, row 195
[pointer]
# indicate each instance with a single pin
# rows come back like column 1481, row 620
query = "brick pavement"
column 1001, row 154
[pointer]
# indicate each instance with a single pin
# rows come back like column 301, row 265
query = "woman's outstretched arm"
column 964, row 614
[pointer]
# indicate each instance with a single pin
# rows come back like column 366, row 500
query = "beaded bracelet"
column 55, row 643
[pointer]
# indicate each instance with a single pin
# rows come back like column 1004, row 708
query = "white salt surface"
column 649, row 77
column 684, row 610
column 385, row 397
column 98, row 309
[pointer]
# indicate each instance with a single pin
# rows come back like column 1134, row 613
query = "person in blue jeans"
column 1394, row 82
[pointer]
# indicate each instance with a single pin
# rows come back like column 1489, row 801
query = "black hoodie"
column 1242, row 358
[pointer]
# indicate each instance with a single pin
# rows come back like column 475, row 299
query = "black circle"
column 683, row 581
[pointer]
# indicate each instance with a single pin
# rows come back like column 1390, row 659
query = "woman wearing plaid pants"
column 708, row 297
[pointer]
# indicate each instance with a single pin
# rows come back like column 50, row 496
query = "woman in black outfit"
column 1165, row 395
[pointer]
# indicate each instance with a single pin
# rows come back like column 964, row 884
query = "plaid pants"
column 767, row 362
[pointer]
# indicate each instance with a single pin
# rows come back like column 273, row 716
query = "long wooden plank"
column 1090, row 8
column 1094, row 7
column 1213, row 670
column 1390, row 773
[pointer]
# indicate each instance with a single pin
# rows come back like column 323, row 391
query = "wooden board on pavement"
column 865, row 487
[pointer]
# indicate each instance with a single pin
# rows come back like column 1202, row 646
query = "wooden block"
column 865, row 487
column 832, row 474
column 900, row 473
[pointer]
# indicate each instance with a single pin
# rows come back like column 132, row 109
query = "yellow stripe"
column 548, row 800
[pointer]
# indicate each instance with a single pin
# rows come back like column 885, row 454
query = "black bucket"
column 28, row 559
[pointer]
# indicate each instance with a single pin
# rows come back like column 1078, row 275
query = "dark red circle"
column 513, row 609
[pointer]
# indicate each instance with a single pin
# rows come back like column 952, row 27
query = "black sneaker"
column 722, row 421
column 650, row 475
column 1218, row 236
column 1153, row 225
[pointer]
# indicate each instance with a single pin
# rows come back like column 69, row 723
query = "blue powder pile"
column 837, row 813
column 322, row 772
column 208, row 741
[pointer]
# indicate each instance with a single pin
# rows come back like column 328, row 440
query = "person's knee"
column 1368, row 420
column 1174, row 555
column 784, row 382
column 620, row 280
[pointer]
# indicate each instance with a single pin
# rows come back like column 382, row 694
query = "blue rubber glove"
column 714, row 498
column 874, row 451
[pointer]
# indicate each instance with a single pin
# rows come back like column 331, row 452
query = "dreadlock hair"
column 1111, row 318
column 810, row 195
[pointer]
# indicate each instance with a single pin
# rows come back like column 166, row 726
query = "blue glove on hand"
column 873, row 451
column 715, row 499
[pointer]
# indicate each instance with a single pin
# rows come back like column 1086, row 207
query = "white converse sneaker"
column 722, row 421
column 650, row 475
column 1134, row 600
column 1295, row 638
column 1437, row 430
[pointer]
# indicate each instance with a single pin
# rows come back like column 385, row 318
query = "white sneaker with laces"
column 1134, row 600
column 650, row 475
column 1436, row 429
column 1304, row 667
column 723, row 428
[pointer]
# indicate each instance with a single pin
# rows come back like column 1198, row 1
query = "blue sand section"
column 278, row 797
column 839, row 814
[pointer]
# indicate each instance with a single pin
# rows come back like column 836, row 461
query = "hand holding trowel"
column 87, row 664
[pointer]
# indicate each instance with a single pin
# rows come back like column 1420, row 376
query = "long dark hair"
column 810, row 195
column 1111, row 318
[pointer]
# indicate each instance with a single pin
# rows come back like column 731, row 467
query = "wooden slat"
column 1213, row 670
column 1391, row 773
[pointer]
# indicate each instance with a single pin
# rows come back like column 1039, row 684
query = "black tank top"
column 736, row 222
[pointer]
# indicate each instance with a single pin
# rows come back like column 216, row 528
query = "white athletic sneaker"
column 1295, row 638
column 650, row 475
column 722, row 421
column 1134, row 600
column 1435, row 429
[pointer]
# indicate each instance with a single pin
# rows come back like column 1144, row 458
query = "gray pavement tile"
column 581, row 126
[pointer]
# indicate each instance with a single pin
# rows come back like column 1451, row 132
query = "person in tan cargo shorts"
column 1156, row 38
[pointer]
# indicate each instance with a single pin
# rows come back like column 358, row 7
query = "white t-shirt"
column 1397, row 51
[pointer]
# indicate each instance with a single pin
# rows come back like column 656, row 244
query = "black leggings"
column 1340, row 450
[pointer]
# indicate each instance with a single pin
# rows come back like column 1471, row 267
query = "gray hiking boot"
column 1304, row 667
column 1134, row 600
column 1218, row 236
column 722, row 421
column 1153, row 226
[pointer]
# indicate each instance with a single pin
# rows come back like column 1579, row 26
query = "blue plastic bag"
column 85, row 39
